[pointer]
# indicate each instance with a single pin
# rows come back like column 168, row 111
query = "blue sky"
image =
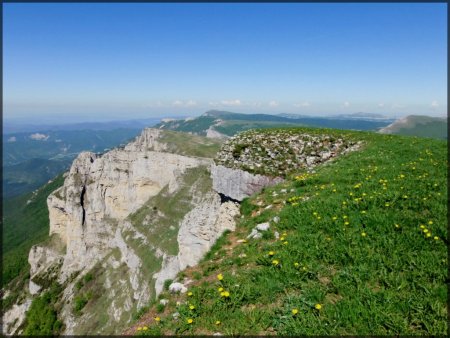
column 144, row 60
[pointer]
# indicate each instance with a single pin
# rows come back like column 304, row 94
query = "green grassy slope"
column 417, row 125
column 362, row 250
column 189, row 145
column 24, row 224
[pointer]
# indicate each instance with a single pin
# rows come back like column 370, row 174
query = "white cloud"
column 303, row 104
column 346, row 104
column 256, row 104
column 273, row 103
column 213, row 104
column 381, row 105
column 231, row 102
column 191, row 103
column 12, row 139
column 434, row 104
column 177, row 103
column 397, row 106
column 39, row 137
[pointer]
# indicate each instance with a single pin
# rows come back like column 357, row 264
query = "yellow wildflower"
column 220, row 289
column 190, row 294
column 192, row 307
column 363, row 234
column 436, row 237
column 225, row 294
column 296, row 264
column 429, row 234
column 219, row 276
column 218, row 322
column 190, row 321
column 285, row 242
column 318, row 306
column 425, row 230
column 145, row 328
column 294, row 311
column 271, row 253
column 422, row 226
column 157, row 319
column 275, row 262
column 430, row 222
column 139, row 328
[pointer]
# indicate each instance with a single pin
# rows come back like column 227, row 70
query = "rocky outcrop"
column 239, row 184
column 277, row 153
column 199, row 230
column 252, row 160
column 109, row 187
column 14, row 317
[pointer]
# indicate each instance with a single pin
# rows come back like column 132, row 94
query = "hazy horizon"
column 117, row 61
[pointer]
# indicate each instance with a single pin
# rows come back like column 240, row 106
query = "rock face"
column 239, row 184
column 112, row 186
column 199, row 230
column 112, row 219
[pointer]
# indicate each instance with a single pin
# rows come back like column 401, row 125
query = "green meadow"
column 360, row 248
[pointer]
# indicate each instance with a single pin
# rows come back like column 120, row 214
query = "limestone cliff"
column 129, row 219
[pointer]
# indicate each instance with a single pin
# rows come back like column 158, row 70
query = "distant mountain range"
column 216, row 122
column 12, row 126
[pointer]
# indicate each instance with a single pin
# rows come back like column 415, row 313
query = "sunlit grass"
column 362, row 249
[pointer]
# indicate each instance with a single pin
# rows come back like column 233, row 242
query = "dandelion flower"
column 225, row 294
column 296, row 264
column 220, row 289
column 363, row 234
column 397, row 226
column 425, row 230
column 346, row 223
column 429, row 234
column 145, row 328
column 282, row 239
column 294, row 311
column 139, row 328
column 190, row 294
column 218, row 322
column 285, row 242
column 430, row 222
column 157, row 319
column 190, row 321
column 422, row 226
column 318, row 306
column 275, row 262
column 436, row 237
column 271, row 253
column 219, row 276
column 192, row 307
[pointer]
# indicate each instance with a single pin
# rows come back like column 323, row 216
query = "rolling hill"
column 216, row 123
column 418, row 125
